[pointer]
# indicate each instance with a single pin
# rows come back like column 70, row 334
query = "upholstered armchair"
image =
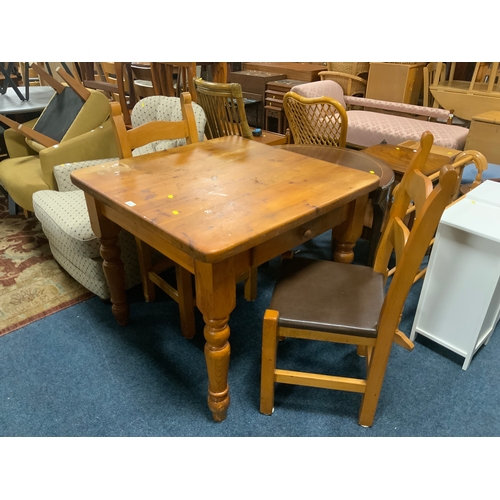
column 64, row 216
column 372, row 122
column 30, row 165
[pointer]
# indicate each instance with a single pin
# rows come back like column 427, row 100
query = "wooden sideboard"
column 306, row 72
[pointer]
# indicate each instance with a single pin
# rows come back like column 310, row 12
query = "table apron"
column 144, row 233
column 298, row 235
column 255, row 256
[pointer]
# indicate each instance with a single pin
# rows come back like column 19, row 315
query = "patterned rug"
column 32, row 284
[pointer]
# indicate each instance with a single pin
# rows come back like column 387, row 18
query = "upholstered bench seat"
column 367, row 128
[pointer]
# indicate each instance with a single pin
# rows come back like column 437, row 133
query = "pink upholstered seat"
column 368, row 128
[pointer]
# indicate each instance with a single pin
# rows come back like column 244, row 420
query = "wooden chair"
column 173, row 78
column 351, row 84
column 318, row 120
column 341, row 303
column 115, row 78
column 224, row 107
column 129, row 140
column 431, row 77
column 143, row 80
column 60, row 113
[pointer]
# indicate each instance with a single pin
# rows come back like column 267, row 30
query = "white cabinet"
column 459, row 305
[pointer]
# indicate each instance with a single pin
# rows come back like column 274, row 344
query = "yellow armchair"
column 30, row 166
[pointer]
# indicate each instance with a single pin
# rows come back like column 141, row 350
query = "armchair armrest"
column 94, row 145
column 400, row 108
column 62, row 173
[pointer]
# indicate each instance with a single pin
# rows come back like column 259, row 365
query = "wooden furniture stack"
column 275, row 91
column 307, row 72
column 253, row 84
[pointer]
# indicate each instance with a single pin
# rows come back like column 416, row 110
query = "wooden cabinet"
column 253, row 84
column 484, row 135
column 307, row 72
column 395, row 82
column 274, row 113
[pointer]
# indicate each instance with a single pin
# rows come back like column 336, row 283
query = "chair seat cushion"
column 328, row 296
column 367, row 128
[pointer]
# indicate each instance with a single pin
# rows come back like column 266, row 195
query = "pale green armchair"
column 30, row 166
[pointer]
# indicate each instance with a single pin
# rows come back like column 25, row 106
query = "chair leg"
column 184, row 281
column 376, row 371
column 268, row 363
column 144, row 256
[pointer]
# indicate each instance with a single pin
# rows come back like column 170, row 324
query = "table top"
column 39, row 97
column 220, row 197
column 398, row 158
column 347, row 158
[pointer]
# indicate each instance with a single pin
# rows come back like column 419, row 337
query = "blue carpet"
column 77, row 373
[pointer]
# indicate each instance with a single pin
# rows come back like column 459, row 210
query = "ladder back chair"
column 224, row 107
column 137, row 137
column 316, row 120
column 344, row 303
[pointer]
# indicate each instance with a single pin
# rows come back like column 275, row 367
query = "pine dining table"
column 220, row 208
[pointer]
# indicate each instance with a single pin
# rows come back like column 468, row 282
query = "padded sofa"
column 367, row 128
column 64, row 216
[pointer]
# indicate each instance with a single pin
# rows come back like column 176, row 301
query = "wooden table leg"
column 344, row 237
column 107, row 234
column 216, row 298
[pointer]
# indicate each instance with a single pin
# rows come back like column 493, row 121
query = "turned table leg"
column 107, row 234
column 344, row 237
column 216, row 298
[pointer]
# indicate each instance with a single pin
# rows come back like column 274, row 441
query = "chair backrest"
column 410, row 247
column 351, row 84
column 431, row 78
column 412, row 191
column 152, row 131
column 323, row 88
column 224, row 107
column 143, row 80
column 317, row 120
column 172, row 78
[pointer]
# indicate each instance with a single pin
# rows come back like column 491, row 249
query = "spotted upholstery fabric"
column 64, row 217
column 368, row 128
column 161, row 108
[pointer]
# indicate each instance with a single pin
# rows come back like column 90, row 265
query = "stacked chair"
column 74, row 126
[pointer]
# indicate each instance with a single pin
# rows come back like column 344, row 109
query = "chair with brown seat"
column 224, row 107
column 128, row 141
column 341, row 303
column 318, row 120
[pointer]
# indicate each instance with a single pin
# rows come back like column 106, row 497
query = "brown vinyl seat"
column 224, row 107
column 317, row 120
column 151, row 271
column 345, row 303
